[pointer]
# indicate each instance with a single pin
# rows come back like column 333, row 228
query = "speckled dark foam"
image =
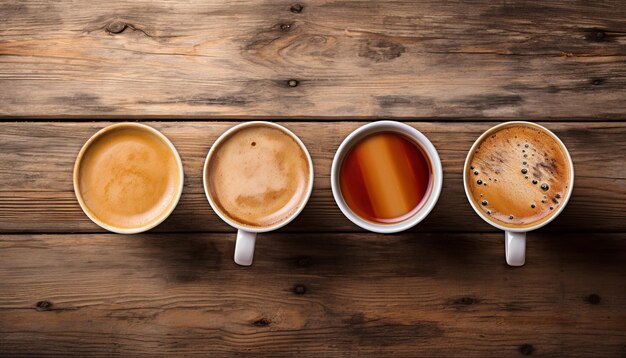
column 519, row 175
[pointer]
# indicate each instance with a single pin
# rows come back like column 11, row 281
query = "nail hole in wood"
column 296, row 8
column 526, row 349
column 292, row 83
column 597, row 81
column 285, row 27
column 299, row 290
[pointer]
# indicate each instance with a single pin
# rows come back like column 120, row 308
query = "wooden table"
column 320, row 286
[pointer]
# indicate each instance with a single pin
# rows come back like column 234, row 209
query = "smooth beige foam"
column 510, row 194
column 128, row 177
column 258, row 176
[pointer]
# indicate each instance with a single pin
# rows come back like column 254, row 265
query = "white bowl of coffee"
column 128, row 178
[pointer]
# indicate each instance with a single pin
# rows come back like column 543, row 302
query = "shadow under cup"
column 386, row 176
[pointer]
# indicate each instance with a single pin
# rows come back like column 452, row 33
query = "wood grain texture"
column 36, row 163
column 311, row 295
column 348, row 59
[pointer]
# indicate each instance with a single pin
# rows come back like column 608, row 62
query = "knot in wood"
column 116, row 27
column 526, row 349
column 593, row 299
column 296, row 8
column 600, row 34
column 261, row 322
column 292, row 83
column 43, row 306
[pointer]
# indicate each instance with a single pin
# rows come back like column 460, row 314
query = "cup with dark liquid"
column 258, row 176
column 386, row 177
column 518, row 177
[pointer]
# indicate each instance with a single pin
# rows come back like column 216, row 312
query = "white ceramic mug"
column 409, row 132
column 515, row 238
column 246, row 236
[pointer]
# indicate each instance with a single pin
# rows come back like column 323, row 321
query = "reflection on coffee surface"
column 128, row 177
column 519, row 176
column 258, row 176
column 385, row 178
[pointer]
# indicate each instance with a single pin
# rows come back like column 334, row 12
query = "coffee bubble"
column 545, row 187
column 476, row 172
column 524, row 171
column 479, row 181
column 535, row 181
column 484, row 203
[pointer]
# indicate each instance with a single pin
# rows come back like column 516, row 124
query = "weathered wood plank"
column 359, row 59
column 330, row 294
column 36, row 163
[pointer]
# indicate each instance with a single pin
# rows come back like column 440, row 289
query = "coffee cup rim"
column 480, row 139
column 75, row 178
column 429, row 150
column 223, row 216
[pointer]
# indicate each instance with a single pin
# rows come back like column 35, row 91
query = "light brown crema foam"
column 258, row 176
column 128, row 177
column 519, row 176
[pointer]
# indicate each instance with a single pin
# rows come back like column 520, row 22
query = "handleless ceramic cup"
column 430, row 153
column 178, row 176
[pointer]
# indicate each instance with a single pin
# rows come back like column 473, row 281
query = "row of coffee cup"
column 386, row 177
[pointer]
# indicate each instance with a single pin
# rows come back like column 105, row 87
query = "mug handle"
column 515, row 248
column 244, row 247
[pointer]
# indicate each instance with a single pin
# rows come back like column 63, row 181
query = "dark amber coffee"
column 385, row 178
column 519, row 175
